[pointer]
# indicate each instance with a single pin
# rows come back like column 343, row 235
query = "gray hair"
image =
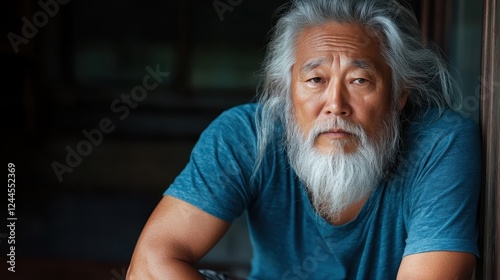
column 417, row 69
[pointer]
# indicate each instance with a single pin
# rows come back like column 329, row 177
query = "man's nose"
column 337, row 100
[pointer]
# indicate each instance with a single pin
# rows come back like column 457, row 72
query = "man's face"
column 340, row 72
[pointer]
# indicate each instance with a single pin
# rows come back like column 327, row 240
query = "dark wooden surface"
column 489, row 267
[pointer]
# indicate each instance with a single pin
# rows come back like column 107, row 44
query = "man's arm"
column 175, row 237
column 440, row 265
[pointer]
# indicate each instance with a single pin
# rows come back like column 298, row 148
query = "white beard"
column 336, row 180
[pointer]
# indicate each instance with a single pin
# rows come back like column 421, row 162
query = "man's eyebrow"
column 363, row 64
column 358, row 63
column 309, row 66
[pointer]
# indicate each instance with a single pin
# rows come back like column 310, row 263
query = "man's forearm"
column 155, row 269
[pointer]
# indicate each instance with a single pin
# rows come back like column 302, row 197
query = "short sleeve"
column 216, row 178
column 443, row 201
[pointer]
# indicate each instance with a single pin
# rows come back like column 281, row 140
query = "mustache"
column 337, row 124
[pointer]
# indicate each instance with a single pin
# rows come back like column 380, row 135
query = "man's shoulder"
column 245, row 109
column 438, row 143
column 438, row 139
column 237, row 122
column 242, row 114
column 435, row 123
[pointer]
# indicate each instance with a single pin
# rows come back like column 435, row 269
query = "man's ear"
column 403, row 98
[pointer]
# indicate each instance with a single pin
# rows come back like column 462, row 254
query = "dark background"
column 79, row 61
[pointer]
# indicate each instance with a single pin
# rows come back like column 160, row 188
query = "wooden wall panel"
column 489, row 266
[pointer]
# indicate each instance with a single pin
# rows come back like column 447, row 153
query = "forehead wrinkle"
column 335, row 41
column 325, row 46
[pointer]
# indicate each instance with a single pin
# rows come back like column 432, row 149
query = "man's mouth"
column 336, row 134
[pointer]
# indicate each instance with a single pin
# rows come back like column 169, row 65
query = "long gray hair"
column 417, row 69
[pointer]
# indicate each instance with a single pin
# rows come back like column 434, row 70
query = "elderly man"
column 352, row 165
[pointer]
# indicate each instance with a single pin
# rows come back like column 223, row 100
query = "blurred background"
column 103, row 101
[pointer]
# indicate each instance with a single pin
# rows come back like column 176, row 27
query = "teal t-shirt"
column 428, row 203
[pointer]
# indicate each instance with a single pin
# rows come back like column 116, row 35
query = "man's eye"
column 360, row 81
column 315, row 80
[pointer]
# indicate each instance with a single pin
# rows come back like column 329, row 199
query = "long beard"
column 336, row 180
